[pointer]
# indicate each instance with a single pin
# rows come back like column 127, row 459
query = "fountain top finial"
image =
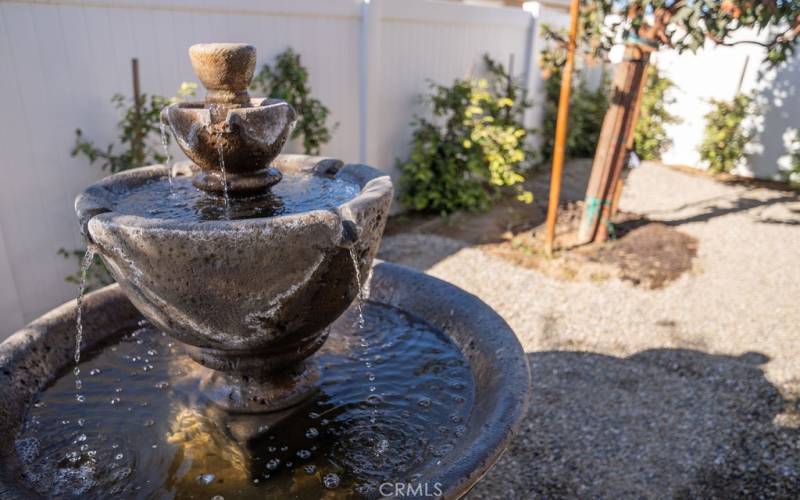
column 225, row 69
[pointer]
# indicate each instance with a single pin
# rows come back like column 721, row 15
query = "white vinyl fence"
column 62, row 60
column 719, row 73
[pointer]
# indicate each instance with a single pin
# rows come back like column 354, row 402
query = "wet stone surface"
column 393, row 399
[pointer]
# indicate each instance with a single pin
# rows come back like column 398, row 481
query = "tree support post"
column 561, row 130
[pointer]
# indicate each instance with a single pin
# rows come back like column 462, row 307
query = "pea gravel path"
column 687, row 391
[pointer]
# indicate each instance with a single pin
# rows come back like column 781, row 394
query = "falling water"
column 360, row 296
column 86, row 263
column 222, row 167
column 168, row 160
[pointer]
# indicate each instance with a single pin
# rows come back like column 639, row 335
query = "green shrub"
column 789, row 164
column 650, row 136
column 288, row 80
column 471, row 148
column 726, row 136
column 587, row 110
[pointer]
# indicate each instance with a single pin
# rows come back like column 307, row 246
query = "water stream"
column 86, row 263
column 168, row 158
column 222, row 168
column 360, row 295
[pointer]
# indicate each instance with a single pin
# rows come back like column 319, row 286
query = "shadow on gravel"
column 661, row 423
column 728, row 206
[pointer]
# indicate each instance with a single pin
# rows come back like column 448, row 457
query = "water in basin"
column 394, row 397
column 178, row 199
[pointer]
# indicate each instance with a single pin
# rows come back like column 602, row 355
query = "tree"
column 646, row 26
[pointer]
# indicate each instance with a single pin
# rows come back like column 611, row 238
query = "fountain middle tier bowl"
column 251, row 295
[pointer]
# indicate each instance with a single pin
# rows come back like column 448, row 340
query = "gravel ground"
column 690, row 390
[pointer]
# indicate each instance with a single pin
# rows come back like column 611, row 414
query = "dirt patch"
column 653, row 254
column 645, row 253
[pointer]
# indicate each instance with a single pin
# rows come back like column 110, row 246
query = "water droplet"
column 273, row 464
column 205, row 479
column 118, row 456
column 312, row 432
column 304, row 454
column 381, row 447
column 310, row 469
column 149, row 423
column 424, row 403
column 331, row 481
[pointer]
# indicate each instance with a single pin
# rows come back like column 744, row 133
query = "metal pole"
column 561, row 129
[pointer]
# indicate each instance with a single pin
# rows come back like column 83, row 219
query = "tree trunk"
column 612, row 146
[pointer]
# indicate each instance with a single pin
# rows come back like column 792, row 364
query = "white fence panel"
column 425, row 41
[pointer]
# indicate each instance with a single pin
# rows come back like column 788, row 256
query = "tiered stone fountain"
column 251, row 260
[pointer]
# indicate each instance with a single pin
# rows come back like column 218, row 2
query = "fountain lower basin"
column 34, row 357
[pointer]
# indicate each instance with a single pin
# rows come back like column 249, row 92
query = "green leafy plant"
column 726, row 135
column 650, row 137
column 138, row 143
column 471, row 148
column 789, row 163
column 288, row 80
column 586, row 112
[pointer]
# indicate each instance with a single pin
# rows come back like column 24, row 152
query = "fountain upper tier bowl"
column 231, row 137
column 252, row 296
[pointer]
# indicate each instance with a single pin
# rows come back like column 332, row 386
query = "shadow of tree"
column 778, row 97
column 660, row 423
column 718, row 208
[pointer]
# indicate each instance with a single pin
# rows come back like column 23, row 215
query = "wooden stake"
column 561, row 130
column 638, row 69
column 136, row 144
column 612, row 145
column 611, row 134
